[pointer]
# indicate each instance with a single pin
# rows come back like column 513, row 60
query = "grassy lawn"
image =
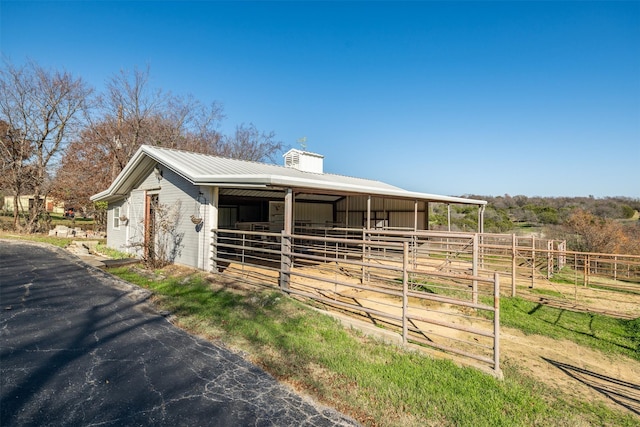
column 608, row 334
column 61, row 242
column 376, row 383
column 6, row 224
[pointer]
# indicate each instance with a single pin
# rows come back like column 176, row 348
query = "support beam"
column 288, row 211
column 212, row 222
column 368, row 226
column 426, row 215
column 481, row 218
column 285, row 250
column 346, row 218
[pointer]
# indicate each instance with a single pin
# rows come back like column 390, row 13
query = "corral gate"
column 425, row 286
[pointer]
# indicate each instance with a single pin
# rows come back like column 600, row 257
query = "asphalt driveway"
column 78, row 347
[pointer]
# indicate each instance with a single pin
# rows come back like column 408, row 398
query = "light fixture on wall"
column 157, row 172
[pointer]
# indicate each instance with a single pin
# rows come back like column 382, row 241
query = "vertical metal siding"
column 314, row 213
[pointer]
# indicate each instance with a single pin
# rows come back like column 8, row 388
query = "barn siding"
column 176, row 191
column 172, row 190
column 393, row 212
column 317, row 214
column 135, row 236
column 116, row 237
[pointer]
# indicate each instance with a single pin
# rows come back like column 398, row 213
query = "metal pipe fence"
column 434, row 288
column 402, row 282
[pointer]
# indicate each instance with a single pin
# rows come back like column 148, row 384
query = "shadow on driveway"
column 76, row 349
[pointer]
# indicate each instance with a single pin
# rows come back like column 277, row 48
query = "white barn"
column 209, row 193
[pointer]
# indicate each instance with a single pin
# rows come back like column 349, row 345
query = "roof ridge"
column 161, row 148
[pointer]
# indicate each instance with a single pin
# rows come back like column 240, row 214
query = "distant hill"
column 555, row 217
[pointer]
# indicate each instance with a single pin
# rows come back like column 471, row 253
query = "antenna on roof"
column 303, row 143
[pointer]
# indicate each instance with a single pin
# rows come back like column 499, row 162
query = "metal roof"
column 202, row 169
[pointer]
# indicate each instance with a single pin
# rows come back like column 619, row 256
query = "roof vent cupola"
column 303, row 160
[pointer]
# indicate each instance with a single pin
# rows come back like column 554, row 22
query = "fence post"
column 549, row 258
column 285, row 261
column 496, row 323
column 474, row 285
column 562, row 256
column 364, row 256
column 587, row 270
column 405, row 290
column 513, row 264
column 533, row 260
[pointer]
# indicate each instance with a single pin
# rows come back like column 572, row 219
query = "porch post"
column 346, row 217
column 415, row 215
column 426, row 215
column 214, row 194
column 365, row 236
column 368, row 226
column 285, row 251
column 288, row 211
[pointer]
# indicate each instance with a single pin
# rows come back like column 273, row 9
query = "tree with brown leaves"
column 130, row 114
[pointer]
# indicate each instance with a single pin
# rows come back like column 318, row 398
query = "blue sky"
column 486, row 98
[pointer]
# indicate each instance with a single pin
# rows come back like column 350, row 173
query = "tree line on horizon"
column 587, row 224
column 61, row 139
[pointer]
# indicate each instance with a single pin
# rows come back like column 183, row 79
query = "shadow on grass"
column 630, row 326
column 624, row 393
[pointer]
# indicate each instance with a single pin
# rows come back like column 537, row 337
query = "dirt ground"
column 572, row 370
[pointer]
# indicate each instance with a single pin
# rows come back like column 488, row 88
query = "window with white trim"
column 116, row 218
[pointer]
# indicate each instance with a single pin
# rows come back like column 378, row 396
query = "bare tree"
column 42, row 110
column 162, row 241
column 15, row 173
column 130, row 114
column 248, row 143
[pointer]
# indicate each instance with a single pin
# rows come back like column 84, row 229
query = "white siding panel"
column 136, row 222
column 314, row 213
column 177, row 192
column 116, row 237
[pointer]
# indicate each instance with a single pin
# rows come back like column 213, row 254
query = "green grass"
column 376, row 383
column 608, row 334
column 547, row 292
column 6, row 221
column 78, row 221
column 567, row 276
column 61, row 242
column 102, row 248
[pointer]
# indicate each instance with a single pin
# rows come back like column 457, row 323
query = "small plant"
column 162, row 242
column 102, row 249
